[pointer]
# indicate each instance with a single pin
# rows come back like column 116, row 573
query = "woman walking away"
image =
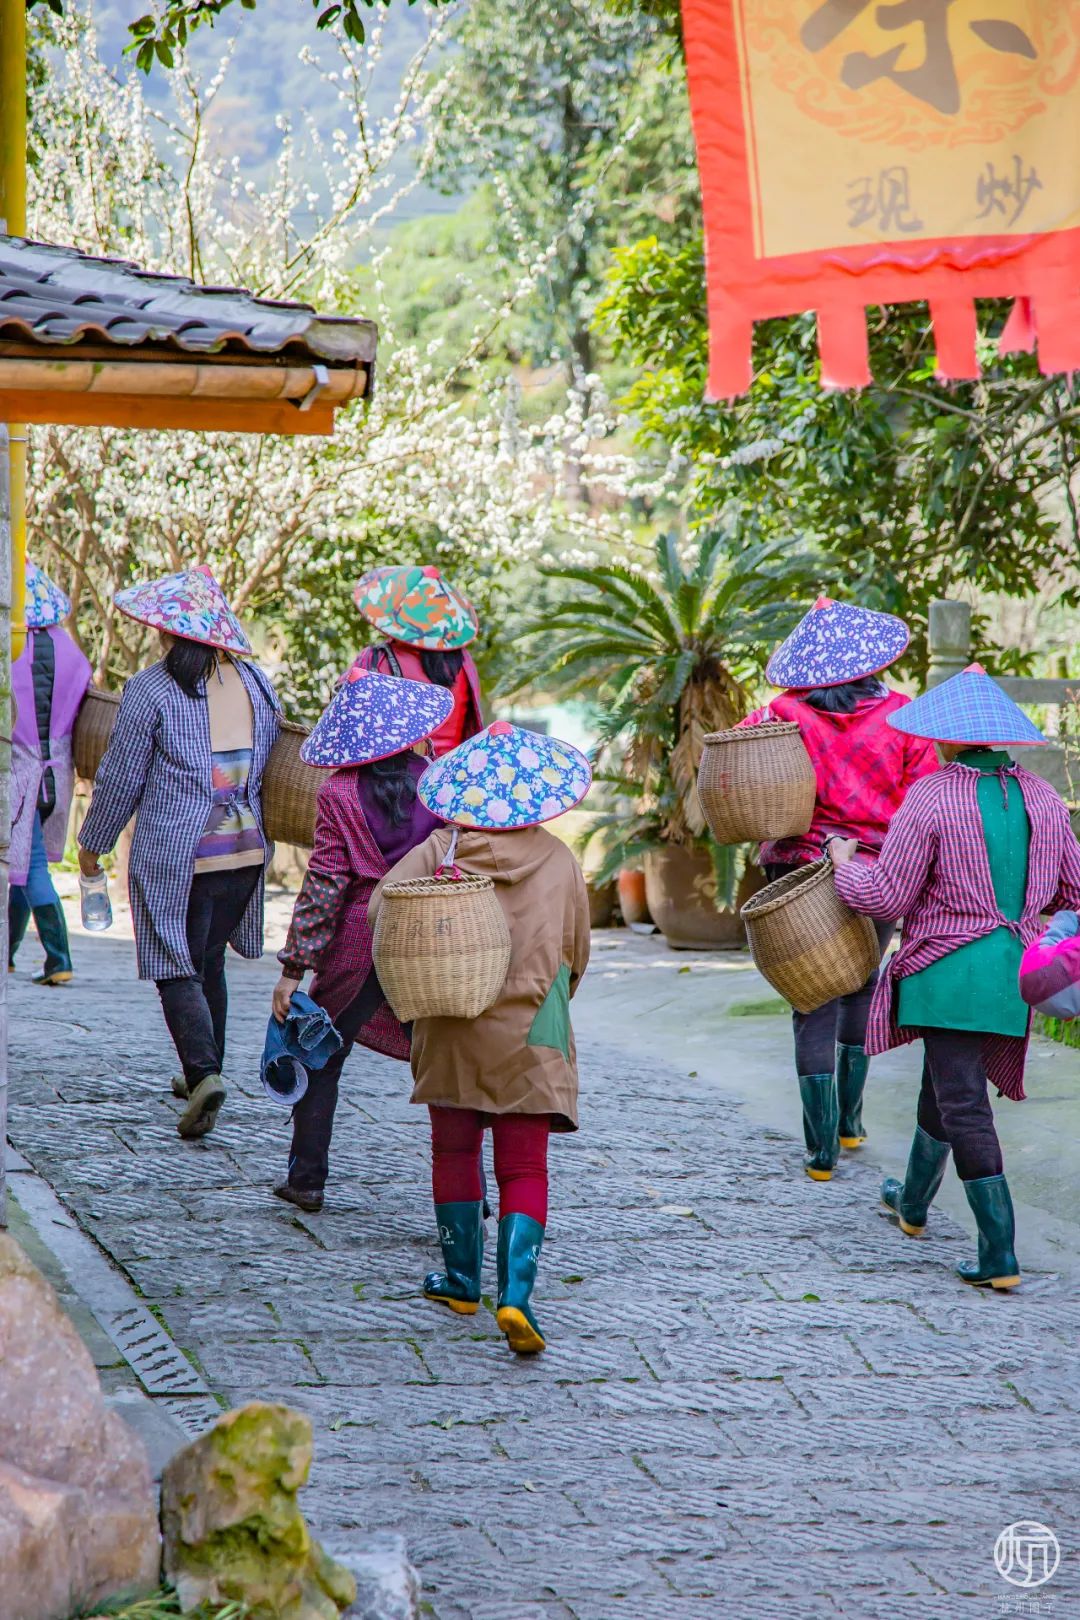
column 974, row 856
column 514, row 1068
column 374, row 734
column 48, row 683
column 186, row 758
column 830, row 666
column 427, row 626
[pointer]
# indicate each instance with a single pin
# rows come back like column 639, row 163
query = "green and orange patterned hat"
column 417, row 606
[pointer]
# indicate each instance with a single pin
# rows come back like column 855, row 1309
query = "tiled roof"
column 55, row 295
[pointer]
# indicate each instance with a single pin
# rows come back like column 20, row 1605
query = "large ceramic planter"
column 601, row 905
column 632, row 903
column 681, row 891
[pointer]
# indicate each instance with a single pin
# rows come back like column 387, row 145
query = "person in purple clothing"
column 49, row 681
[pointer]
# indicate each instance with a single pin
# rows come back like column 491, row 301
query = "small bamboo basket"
column 289, row 786
column 808, row 944
column 757, row 783
column 442, row 945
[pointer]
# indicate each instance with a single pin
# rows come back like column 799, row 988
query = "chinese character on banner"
column 858, row 152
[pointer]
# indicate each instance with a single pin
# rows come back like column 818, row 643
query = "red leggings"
column 521, row 1141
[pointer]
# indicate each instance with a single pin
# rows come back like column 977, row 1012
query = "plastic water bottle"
column 96, row 905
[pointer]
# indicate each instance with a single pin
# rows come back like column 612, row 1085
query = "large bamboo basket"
column 757, row 783
column 806, row 941
column 441, row 947
column 288, row 787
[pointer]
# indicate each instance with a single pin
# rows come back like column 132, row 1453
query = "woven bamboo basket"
column 288, row 786
column 806, row 942
column 441, row 947
column 757, row 783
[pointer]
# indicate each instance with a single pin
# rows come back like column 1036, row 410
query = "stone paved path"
column 759, row 1400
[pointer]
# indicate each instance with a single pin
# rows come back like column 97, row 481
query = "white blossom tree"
column 439, row 462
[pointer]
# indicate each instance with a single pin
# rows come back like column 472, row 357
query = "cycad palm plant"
column 669, row 654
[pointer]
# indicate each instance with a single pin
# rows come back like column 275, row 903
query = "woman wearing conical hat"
column 513, row 1070
column 830, row 668
column 48, row 683
column 426, row 628
column 186, row 759
column 974, row 856
column 376, row 735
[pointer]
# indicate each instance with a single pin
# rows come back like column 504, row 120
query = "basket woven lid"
column 463, row 883
column 373, row 716
column 506, row 777
column 46, row 603
column 190, row 605
column 834, row 643
column 417, row 605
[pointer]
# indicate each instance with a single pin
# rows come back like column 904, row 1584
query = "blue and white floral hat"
column 969, row 708
column 46, row 603
column 506, row 777
column 190, row 605
column 836, row 643
column 373, row 716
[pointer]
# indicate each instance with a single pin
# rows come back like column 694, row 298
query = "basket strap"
column 450, row 860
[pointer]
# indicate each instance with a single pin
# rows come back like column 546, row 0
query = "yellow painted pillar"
column 13, row 220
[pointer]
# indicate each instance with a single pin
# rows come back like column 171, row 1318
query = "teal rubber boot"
column 520, row 1241
column 52, row 932
column 852, row 1064
column 461, row 1235
column 18, row 918
column 821, row 1121
column 911, row 1198
column 992, row 1207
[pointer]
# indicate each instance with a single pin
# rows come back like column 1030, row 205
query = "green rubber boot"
column 992, row 1207
column 461, row 1234
column 821, row 1118
column 852, row 1064
column 911, row 1198
column 520, row 1241
column 18, row 918
column 52, row 931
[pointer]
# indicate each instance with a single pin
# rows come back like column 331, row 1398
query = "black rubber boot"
column 52, row 931
column 18, row 918
column 991, row 1204
column 821, row 1120
column 852, row 1065
column 911, row 1198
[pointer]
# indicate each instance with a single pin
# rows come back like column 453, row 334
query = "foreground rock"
column 233, row 1527
column 78, row 1515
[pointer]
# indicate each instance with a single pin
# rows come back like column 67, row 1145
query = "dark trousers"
column 313, row 1115
column 954, row 1106
column 842, row 1020
column 196, row 1008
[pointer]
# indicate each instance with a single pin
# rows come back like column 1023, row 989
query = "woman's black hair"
column 441, row 668
column 843, row 699
column 393, row 786
column 190, row 663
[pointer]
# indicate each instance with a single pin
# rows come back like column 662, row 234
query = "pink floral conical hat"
column 191, row 605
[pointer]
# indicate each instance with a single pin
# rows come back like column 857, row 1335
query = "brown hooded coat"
column 518, row 1057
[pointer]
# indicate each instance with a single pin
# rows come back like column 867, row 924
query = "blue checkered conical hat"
column 836, row 643
column 373, row 716
column 46, row 603
column 506, row 777
column 970, row 708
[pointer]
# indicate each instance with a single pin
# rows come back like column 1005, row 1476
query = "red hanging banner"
column 858, row 152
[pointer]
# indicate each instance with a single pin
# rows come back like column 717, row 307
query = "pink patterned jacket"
column 934, row 872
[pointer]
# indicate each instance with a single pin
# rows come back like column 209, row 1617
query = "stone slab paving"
column 759, row 1399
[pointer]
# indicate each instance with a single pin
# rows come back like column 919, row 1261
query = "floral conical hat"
column 46, row 603
column 372, row 716
column 835, row 643
column 190, row 605
column 506, row 777
column 968, row 708
column 417, row 605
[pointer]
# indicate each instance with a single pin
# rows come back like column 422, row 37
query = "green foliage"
column 165, row 1605
column 161, row 35
column 668, row 654
column 911, row 487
